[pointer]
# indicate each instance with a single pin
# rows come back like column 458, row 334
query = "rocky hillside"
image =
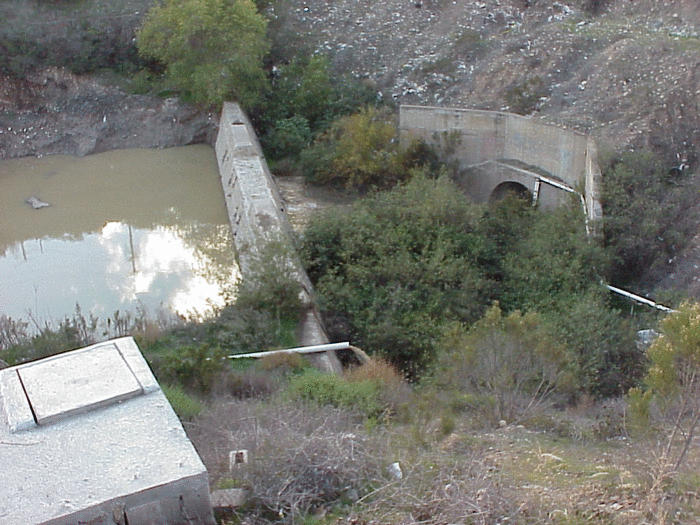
column 629, row 72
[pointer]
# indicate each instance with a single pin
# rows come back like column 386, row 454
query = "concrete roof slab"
column 67, row 384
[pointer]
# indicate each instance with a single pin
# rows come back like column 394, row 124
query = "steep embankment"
column 627, row 72
column 53, row 111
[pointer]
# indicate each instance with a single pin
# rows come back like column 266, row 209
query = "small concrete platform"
column 88, row 437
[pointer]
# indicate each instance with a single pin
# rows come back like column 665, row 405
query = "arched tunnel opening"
column 510, row 189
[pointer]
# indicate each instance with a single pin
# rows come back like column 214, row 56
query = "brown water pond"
column 128, row 230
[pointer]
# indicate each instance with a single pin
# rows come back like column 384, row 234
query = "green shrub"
column 194, row 366
column 185, row 406
column 510, row 360
column 363, row 152
column 648, row 215
column 271, row 285
column 671, row 394
column 330, row 389
column 288, row 137
column 212, row 50
column 395, row 266
column 551, row 262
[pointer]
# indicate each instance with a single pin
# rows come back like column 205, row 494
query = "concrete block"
column 66, row 384
column 107, row 447
column 237, row 457
column 14, row 403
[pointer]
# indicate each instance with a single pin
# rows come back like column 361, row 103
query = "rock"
column 37, row 203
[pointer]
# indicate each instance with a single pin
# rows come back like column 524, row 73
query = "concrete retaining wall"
column 483, row 136
column 257, row 215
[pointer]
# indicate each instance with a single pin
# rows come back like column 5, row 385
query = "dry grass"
column 312, row 464
column 376, row 369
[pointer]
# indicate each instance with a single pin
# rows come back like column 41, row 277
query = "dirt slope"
column 626, row 71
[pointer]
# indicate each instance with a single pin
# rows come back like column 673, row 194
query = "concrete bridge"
column 499, row 152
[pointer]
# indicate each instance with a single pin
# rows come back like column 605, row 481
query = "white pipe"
column 297, row 350
column 639, row 298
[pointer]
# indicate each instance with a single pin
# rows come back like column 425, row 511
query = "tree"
column 212, row 49
column 358, row 151
column 673, row 384
column 649, row 216
column 395, row 266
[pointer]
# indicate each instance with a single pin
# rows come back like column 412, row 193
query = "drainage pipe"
column 297, row 350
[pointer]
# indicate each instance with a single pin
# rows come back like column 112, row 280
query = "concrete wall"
column 257, row 215
column 484, row 136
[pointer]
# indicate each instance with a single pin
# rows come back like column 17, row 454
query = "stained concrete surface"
column 257, row 215
column 481, row 136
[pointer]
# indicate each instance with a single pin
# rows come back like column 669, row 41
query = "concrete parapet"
column 257, row 215
column 88, row 437
column 481, row 136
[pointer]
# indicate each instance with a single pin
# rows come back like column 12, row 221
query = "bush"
column 395, row 266
column 672, row 386
column 601, row 344
column 287, row 363
column 303, row 457
column 378, row 370
column 359, row 151
column 249, row 383
column 552, row 262
column 333, row 390
column 508, row 367
column 288, row 137
column 212, row 49
column 648, row 215
column 272, row 285
column 524, row 96
column 195, row 367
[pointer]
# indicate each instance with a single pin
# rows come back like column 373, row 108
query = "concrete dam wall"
column 494, row 149
column 257, row 216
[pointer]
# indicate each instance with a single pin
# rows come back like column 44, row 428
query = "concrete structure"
column 88, row 437
column 496, row 151
column 257, row 216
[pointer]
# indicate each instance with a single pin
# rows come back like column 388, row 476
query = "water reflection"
column 169, row 249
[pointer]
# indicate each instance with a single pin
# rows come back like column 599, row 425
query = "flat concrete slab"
column 68, row 384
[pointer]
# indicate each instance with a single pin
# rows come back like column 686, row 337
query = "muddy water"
column 126, row 230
